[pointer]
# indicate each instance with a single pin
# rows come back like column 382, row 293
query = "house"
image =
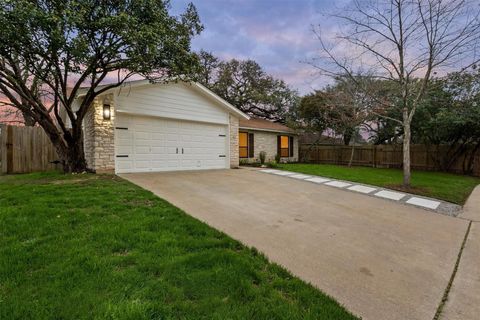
column 145, row 127
column 257, row 135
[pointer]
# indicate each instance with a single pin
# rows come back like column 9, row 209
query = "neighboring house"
column 144, row 127
column 257, row 135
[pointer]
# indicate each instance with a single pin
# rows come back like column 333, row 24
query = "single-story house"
column 145, row 127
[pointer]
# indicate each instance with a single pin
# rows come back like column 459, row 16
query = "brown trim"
column 290, row 146
column 251, row 145
column 279, row 142
column 269, row 130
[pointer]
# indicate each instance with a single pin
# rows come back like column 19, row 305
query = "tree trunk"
column 353, row 140
column 72, row 156
column 351, row 155
column 28, row 121
column 406, row 153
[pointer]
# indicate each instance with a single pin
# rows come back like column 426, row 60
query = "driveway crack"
column 452, row 277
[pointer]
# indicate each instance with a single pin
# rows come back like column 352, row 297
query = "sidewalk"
column 464, row 298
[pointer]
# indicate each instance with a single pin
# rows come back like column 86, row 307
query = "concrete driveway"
column 380, row 259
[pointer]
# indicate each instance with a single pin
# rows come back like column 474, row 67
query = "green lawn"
column 445, row 186
column 98, row 247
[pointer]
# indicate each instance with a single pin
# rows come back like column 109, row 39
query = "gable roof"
column 194, row 85
column 264, row 125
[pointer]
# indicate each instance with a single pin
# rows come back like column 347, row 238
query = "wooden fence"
column 388, row 156
column 25, row 149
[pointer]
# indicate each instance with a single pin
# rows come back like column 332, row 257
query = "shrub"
column 263, row 155
column 277, row 158
column 272, row 164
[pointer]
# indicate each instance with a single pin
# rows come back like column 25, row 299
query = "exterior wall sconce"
column 106, row 112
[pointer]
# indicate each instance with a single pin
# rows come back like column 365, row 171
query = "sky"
column 275, row 33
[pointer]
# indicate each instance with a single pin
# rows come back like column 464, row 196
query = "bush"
column 263, row 155
column 272, row 164
column 277, row 158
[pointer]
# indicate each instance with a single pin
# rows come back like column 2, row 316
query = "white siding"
column 173, row 100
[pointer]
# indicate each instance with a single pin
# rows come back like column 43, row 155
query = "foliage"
column 278, row 158
column 445, row 186
column 247, row 86
column 449, row 114
column 50, row 49
column 272, row 164
column 263, row 155
column 340, row 108
column 98, row 247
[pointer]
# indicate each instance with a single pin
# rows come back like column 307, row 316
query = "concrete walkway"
column 463, row 301
column 436, row 205
column 381, row 259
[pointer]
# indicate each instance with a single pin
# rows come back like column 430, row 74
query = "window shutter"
column 279, row 144
column 251, row 146
column 290, row 146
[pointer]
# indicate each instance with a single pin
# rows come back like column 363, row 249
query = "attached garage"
column 161, row 127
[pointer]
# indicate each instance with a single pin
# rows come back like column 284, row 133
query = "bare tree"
column 404, row 43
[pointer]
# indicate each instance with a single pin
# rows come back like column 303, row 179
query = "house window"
column 285, row 146
column 243, row 144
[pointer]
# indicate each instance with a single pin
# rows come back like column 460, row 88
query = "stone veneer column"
column 234, row 156
column 99, row 136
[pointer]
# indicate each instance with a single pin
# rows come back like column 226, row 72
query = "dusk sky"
column 275, row 33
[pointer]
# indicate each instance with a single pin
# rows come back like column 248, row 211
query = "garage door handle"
column 182, row 150
column 177, row 150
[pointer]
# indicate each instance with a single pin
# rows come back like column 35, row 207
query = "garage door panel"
column 124, row 164
column 124, row 150
column 154, row 144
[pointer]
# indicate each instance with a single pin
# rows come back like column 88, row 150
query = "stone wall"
column 234, row 156
column 99, row 136
column 267, row 141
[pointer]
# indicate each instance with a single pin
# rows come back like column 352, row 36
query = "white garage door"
column 148, row 144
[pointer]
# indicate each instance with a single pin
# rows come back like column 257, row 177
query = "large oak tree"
column 49, row 49
column 248, row 87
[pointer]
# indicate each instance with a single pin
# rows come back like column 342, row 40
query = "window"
column 285, row 146
column 243, row 144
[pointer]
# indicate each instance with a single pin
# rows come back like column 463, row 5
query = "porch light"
column 106, row 112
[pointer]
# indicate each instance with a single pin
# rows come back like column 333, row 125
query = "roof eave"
column 267, row 130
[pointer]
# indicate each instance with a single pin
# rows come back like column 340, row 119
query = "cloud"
column 276, row 34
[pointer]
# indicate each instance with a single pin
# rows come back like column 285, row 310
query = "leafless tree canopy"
column 399, row 40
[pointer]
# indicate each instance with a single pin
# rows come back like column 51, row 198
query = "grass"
column 98, row 247
column 444, row 186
